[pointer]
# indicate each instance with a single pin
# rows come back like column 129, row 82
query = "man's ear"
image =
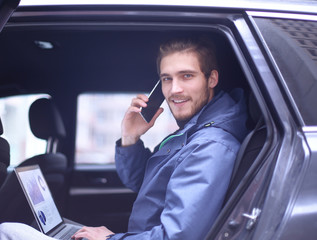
column 213, row 79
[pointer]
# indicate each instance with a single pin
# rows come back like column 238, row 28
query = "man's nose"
column 176, row 86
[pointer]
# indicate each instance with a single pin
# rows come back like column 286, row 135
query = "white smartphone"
column 156, row 98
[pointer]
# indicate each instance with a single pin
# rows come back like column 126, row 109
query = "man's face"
column 184, row 85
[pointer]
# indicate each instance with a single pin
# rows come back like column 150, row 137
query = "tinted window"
column 99, row 119
column 14, row 115
column 293, row 44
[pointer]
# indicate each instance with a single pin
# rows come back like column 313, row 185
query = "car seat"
column 253, row 149
column 4, row 156
column 251, row 146
column 45, row 123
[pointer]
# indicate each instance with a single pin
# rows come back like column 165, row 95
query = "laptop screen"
column 39, row 197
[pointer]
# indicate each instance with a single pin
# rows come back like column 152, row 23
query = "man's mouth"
column 178, row 100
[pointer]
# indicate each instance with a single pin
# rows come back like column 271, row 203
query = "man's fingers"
column 140, row 101
column 134, row 109
column 142, row 97
column 79, row 233
column 136, row 102
column 84, row 232
column 92, row 233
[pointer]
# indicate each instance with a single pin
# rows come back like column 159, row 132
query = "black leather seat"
column 45, row 123
column 4, row 156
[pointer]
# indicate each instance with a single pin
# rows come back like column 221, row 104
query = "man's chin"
column 181, row 117
column 182, row 120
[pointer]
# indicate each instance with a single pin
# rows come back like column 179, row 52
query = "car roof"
column 308, row 6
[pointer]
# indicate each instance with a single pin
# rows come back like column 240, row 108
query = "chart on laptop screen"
column 40, row 197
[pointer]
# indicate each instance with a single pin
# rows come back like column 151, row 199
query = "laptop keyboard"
column 68, row 234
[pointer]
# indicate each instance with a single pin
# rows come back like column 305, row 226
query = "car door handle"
column 253, row 217
column 99, row 181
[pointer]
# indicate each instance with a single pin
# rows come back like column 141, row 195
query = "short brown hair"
column 202, row 46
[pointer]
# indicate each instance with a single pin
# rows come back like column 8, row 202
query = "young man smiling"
column 185, row 86
column 182, row 184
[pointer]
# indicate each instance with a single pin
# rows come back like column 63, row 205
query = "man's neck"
column 182, row 124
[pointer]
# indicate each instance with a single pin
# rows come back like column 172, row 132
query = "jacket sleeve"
column 130, row 164
column 195, row 192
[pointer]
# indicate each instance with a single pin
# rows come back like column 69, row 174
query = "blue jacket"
column 181, row 186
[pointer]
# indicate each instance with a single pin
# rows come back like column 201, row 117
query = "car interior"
column 63, row 58
column 4, row 156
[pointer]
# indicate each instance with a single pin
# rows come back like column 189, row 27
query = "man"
column 181, row 186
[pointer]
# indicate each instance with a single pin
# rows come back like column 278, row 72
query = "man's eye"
column 166, row 78
column 188, row 76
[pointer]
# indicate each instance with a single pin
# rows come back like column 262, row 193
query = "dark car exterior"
column 267, row 48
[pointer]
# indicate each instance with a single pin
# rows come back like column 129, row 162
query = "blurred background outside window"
column 99, row 117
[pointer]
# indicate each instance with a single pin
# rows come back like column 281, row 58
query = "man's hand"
column 92, row 233
column 133, row 125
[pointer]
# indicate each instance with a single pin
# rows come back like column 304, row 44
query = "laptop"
column 42, row 203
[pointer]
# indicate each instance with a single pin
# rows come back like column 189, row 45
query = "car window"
column 14, row 116
column 293, row 44
column 99, row 117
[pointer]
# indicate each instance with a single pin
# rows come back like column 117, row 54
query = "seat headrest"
column 4, row 156
column 45, row 120
column 1, row 128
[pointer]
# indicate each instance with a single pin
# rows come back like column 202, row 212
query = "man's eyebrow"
column 187, row 71
column 180, row 72
column 164, row 74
